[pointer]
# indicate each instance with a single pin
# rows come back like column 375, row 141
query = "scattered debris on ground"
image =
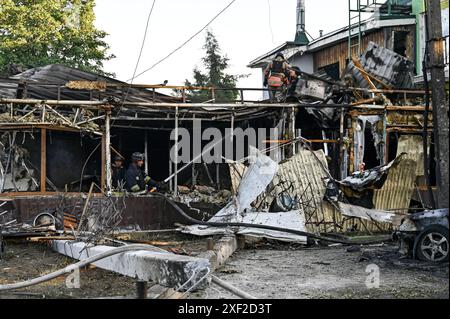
column 312, row 212
column 323, row 273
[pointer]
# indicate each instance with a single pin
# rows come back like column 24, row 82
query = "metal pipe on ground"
column 291, row 231
column 234, row 290
column 78, row 265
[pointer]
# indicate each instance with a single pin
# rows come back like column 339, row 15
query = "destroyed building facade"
column 356, row 122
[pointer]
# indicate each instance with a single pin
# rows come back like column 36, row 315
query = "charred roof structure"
column 347, row 150
column 353, row 144
column 56, row 117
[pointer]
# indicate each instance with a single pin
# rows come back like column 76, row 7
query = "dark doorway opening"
column 370, row 152
column 400, row 42
column 332, row 70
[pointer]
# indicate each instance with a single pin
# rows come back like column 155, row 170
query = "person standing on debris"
column 136, row 179
column 294, row 76
column 280, row 69
column 278, row 66
column 118, row 173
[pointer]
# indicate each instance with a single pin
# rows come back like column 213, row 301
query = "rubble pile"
column 83, row 117
column 203, row 194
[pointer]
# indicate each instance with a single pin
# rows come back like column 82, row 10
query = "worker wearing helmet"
column 294, row 77
column 118, row 172
column 136, row 179
column 277, row 66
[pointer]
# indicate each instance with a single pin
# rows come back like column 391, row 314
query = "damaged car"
column 425, row 235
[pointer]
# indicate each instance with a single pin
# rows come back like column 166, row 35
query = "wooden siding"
column 383, row 37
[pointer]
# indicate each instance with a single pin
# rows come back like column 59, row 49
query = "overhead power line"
column 186, row 42
column 270, row 20
column 138, row 60
column 143, row 40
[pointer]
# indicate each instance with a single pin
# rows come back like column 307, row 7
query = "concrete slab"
column 222, row 250
column 166, row 269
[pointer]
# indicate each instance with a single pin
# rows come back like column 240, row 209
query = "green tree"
column 35, row 33
column 213, row 75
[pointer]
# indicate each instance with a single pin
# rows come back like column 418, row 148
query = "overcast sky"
column 244, row 31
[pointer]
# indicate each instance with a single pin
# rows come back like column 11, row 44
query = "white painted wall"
column 305, row 62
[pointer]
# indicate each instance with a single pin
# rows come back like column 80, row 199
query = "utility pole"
column 436, row 53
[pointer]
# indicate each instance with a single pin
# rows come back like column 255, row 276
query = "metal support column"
column 343, row 168
column 218, row 176
column 170, row 172
column 383, row 148
column 175, row 157
column 108, row 152
column 146, row 151
column 43, row 159
column 193, row 175
column 293, row 137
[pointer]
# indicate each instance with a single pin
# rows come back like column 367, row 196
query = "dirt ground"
column 267, row 271
column 26, row 261
column 322, row 273
column 23, row 261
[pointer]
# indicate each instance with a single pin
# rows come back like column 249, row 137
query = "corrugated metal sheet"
column 237, row 171
column 60, row 74
column 382, row 37
column 398, row 188
column 301, row 172
column 339, row 52
column 391, row 68
column 388, row 66
column 412, row 145
column 7, row 89
column 303, row 178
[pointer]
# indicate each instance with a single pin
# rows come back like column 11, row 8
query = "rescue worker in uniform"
column 136, row 179
column 118, row 173
column 281, row 69
column 277, row 66
column 294, row 77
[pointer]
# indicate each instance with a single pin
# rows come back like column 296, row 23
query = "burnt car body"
column 424, row 235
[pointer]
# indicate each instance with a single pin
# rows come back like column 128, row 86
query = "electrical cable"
column 116, row 251
column 267, row 227
column 208, row 272
column 187, row 41
column 143, row 40
column 85, row 163
column 79, row 264
column 270, row 20
column 183, row 285
column 130, row 85
column 137, row 62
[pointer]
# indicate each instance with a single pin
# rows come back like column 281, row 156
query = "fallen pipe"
column 231, row 288
column 79, row 264
column 285, row 230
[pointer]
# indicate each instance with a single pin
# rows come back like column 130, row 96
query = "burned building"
column 382, row 53
column 356, row 134
column 345, row 151
column 61, row 127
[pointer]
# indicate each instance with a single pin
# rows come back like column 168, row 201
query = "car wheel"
column 432, row 244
